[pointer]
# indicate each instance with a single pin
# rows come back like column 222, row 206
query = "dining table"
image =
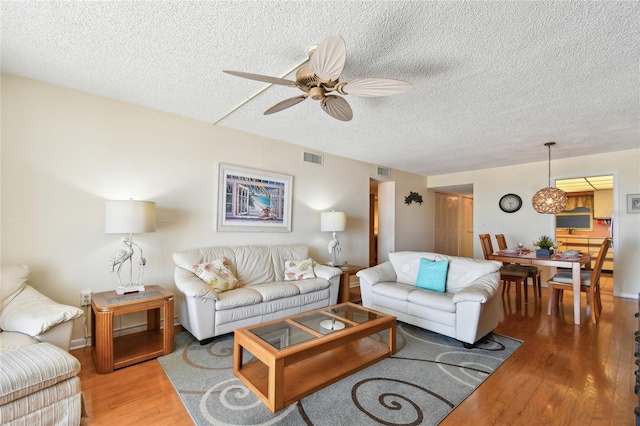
column 529, row 257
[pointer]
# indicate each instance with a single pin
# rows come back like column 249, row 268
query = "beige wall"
column 526, row 224
column 65, row 152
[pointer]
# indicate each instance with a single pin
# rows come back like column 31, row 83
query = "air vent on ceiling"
column 383, row 171
column 310, row 157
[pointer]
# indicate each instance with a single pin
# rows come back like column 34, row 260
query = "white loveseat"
column 263, row 294
column 467, row 310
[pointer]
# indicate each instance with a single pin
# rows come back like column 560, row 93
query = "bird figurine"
column 142, row 261
column 120, row 257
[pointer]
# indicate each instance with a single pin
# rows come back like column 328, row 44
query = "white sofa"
column 39, row 383
column 467, row 310
column 263, row 294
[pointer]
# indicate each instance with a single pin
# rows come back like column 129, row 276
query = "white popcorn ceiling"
column 493, row 81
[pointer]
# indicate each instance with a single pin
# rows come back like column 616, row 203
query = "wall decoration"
column 413, row 196
column 253, row 200
column 633, row 203
column 510, row 203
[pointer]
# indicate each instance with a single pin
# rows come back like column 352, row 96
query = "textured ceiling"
column 493, row 81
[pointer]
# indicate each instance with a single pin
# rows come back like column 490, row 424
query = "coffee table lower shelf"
column 309, row 375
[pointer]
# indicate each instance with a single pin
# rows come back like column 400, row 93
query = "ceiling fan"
column 320, row 79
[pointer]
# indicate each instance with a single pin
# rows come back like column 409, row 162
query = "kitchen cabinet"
column 603, row 204
column 587, row 244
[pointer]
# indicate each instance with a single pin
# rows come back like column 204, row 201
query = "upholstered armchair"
column 39, row 383
column 27, row 316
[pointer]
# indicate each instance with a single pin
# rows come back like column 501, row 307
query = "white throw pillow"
column 407, row 263
column 217, row 275
column 298, row 269
column 13, row 279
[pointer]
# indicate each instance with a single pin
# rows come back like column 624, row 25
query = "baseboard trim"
column 86, row 342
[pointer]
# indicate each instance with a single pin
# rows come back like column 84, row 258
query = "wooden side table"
column 109, row 353
column 345, row 294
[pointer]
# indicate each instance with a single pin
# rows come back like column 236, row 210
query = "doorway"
column 381, row 221
column 596, row 195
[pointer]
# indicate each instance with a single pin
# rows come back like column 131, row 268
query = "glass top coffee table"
column 301, row 354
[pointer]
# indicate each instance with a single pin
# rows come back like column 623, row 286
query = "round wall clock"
column 510, row 203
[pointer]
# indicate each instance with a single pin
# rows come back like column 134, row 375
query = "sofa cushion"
column 14, row 340
column 433, row 300
column 393, row 290
column 407, row 264
column 33, row 313
column 276, row 290
column 31, row 368
column 254, row 265
column 464, row 270
column 432, row 275
column 298, row 269
column 237, row 297
column 309, row 286
column 13, row 278
column 217, row 275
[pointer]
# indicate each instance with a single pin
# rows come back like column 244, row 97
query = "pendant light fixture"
column 549, row 200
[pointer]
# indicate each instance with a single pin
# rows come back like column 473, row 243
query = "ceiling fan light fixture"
column 549, row 200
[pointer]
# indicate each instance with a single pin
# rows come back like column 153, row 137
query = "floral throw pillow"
column 300, row 269
column 217, row 275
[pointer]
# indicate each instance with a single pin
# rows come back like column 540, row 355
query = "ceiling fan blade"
column 285, row 104
column 337, row 107
column 371, row 87
column 263, row 78
column 328, row 60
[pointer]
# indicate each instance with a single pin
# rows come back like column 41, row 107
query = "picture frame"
column 633, row 203
column 252, row 200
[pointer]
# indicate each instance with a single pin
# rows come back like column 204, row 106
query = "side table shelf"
column 111, row 353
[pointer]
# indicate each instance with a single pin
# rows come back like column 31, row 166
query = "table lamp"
column 129, row 217
column 333, row 221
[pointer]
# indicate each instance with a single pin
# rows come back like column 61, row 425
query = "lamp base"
column 122, row 289
column 336, row 264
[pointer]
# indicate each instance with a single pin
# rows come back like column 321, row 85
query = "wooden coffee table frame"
column 280, row 377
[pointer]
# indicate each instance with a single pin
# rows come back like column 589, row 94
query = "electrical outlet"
column 85, row 298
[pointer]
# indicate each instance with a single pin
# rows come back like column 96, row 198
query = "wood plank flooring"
column 562, row 375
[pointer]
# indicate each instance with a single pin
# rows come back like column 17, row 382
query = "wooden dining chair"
column 589, row 283
column 532, row 271
column 507, row 276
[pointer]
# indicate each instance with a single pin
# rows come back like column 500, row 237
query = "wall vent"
column 383, row 171
column 309, row 157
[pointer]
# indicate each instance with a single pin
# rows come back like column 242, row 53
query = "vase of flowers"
column 544, row 245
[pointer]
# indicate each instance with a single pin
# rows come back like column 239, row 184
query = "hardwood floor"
column 562, row 375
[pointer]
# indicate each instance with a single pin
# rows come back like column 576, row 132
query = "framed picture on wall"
column 253, row 200
column 633, row 203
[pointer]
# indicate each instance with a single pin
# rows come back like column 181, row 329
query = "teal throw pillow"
column 433, row 275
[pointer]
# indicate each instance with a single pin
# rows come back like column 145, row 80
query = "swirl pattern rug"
column 428, row 376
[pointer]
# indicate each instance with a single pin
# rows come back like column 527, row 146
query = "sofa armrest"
column 192, row 286
column 33, row 313
column 379, row 273
column 326, row 272
column 480, row 290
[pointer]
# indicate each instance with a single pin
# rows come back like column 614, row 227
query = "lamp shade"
column 333, row 221
column 549, row 200
column 129, row 216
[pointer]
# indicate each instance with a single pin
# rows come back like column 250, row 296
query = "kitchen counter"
column 586, row 243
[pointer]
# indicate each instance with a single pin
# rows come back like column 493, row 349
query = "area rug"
column 424, row 381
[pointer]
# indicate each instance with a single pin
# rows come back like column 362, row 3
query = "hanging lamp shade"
column 549, row 200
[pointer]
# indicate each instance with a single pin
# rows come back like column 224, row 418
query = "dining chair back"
column 532, row 271
column 507, row 276
column 589, row 283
